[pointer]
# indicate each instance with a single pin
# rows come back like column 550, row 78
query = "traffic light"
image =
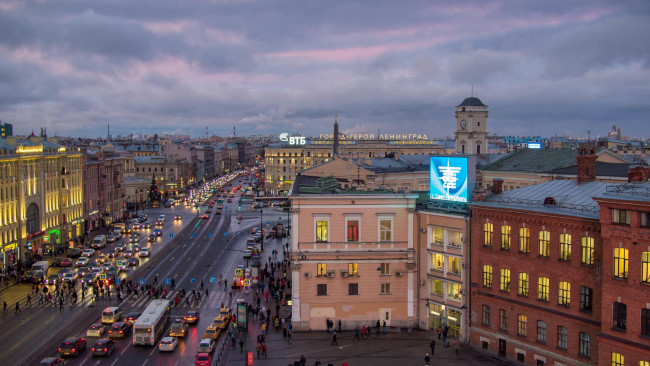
column 241, row 282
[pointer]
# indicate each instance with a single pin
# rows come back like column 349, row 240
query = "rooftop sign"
column 451, row 178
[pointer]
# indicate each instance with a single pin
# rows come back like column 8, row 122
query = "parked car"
column 168, row 344
column 103, row 347
column 72, row 346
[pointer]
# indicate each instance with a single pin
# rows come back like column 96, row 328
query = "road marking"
column 145, row 362
column 114, row 362
column 152, row 351
column 125, row 348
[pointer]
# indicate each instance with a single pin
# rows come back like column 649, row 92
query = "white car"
column 206, row 346
column 81, row 262
column 161, row 218
column 88, row 252
column 69, row 277
column 168, row 344
column 144, row 252
column 96, row 330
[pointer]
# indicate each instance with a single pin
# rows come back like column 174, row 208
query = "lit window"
column 353, row 269
column 524, row 240
column 564, row 293
column 437, row 287
column 487, row 275
column 585, row 344
column 321, row 269
column 385, row 230
column 587, row 246
column 522, row 288
column 586, row 298
column 620, row 262
column 453, row 264
column 438, row 261
column 385, row 288
column 562, row 337
column 503, row 319
column 620, row 316
column 486, row 315
column 645, row 267
column 541, row 331
column 437, row 236
column 522, row 325
column 488, row 228
column 455, row 238
column 385, row 268
column 621, row 217
column 565, row 247
column 505, row 237
column 321, row 231
column 453, row 291
column 544, row 243
column 504, row 284
column 542, row 288
column 644, row 363
column 618, row 359
column 353, row 230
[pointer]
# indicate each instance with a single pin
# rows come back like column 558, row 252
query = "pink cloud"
column 37, row 57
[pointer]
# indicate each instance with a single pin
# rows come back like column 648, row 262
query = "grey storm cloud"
column 548, row 67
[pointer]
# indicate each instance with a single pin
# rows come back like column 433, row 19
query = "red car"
column 205, row 217
column 203, row 359
column 66, row 262
column 218, row 212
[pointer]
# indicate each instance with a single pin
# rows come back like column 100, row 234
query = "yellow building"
column 40, row 197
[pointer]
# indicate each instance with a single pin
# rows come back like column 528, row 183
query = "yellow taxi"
column 212, row 332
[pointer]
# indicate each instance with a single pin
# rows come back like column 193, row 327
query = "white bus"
column 151, row 323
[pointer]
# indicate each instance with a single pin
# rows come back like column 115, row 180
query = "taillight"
column 121, row 331
column 59, row 349
column 73, row 350
column 93, row 349
column 105, row 349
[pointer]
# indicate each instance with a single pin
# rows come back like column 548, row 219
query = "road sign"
column 192, row 280
column 171, row 235
column 168, row 281
column 238, row 272
column 142, row 281
column 193, row 235
column 118, row 281
column 119, row 263
column 102, row 277
column 213, row 280
column 239, row 233
column 247, row 282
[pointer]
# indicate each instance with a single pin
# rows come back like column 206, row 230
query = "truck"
column 41, row 266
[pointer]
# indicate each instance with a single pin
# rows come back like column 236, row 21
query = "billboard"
column 451, row 178
column 534, row 145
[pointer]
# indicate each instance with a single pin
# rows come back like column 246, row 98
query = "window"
column 620, row 316
column 504, row 282
column 353, row 230
column 437, row 236
column 353, row 289
column 565, row 247
column 645, row 322
column 644, row 363
column 488, row 228
column 437, row 287
column 645, row 267
column 587, row 246
column 621, row 217
column 487, row 275
column 385, row 288
column 562, row 337
column 564, row 293
column 541, row 331
column 585, row 344
column 321, row 289
column 385, row 268
column 645, row 219
column 385, row 229
column 503, row 319
column 486, row 315
column 321, row 269
column 522, row 325
column 524, row 240
column 544, row 243
column 505, row 237
column 321, row 230
column 522, row 286
column 618, row 359
column 453, row 265
column 620, row 262
column 586, row 298
column 453, row 291
column 438, row 261
column 455, row 238
column 353, row 269
column 542, row 288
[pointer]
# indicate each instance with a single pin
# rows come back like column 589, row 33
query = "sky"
column 550, row 67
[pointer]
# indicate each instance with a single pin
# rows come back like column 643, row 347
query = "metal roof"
column 534, row 160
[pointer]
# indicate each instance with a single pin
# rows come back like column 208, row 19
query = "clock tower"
column 471, row 127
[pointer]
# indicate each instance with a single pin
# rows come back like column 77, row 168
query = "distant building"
column 6, row 130
column 471, row 127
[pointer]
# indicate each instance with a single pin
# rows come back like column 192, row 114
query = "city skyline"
column 543, row 68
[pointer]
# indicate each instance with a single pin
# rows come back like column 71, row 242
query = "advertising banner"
column 452, row 178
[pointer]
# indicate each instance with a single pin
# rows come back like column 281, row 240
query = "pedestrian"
column 427, row 359
column 439, row 332
column 284, row 333
column 384, row 326
column 339, row 326
column 264, row 328
column 296, row 362
column 289, row 337
column 377, row 326
column 356, row 334
column 363, row 330
column 264, row 349
column 457, row 346
column 241, row 346
column 432, row 345
column 330, row 363
column 20, row 311
column 60, row 304
column 258, row 348
column 334, row 339
column 327, row 323
column 155, row 280
column 303, row 360
column 4, row 306
column 317, row 363
column 29, row 300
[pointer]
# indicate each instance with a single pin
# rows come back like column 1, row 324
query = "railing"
column 536, row 203
column 628, row 189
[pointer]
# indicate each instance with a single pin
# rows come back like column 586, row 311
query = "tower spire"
column 335, row 145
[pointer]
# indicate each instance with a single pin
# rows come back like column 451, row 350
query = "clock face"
column 463, row 124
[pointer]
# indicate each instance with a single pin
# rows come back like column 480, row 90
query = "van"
column 119, row 225
column 99, row 242
column 41, row 266
column 111, row 315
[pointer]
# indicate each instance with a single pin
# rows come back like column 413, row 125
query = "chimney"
column 586, row 160
column 638, row 174
column 497, row 186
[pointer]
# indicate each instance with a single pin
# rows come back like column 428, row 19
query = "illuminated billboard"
column 451, row 178
column 534, row 145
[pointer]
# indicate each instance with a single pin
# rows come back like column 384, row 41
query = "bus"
column 151, row 323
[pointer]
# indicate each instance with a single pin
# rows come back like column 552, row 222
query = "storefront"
column 441, row 315
column 10, row 255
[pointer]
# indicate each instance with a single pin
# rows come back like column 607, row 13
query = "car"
column 88, row 278
column 119, row 330
column 203, row 359
column 221, row 322
column 226, row 313
column 101, row 258
column 120, row 247
column 192, row 317
column 145, row 225
column 135, row 248
column 211, row 332
column 52, row 361
column 178, row 217
column 66, row 262
column 107, row 266
column 72, row 346
column 205, row 216
column 158, row 232
column 248, row 254
column 88, row 252
column 56, row 262
column 152, row 238
column 113, row 254
column 131, row 317
column 220, row 206
column 69, row 277
column 168, row 344
column 52, row 279
column 74, row 252
column 133, row 262
column 103, row 347
column 128, row 253
column 206, row 346
column 160, row 223
column 217, row 212
column 133, row 239
column 112, row 238
column 178, row 328
column 144, row 252
column 82, row 262
column 162, row 217
column 208, row 211
column 96, row 330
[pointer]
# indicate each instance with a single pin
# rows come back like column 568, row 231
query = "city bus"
column 151, row 323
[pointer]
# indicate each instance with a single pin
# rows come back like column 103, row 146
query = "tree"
column 154, row 195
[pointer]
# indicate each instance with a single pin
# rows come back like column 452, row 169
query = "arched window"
column 33, row 219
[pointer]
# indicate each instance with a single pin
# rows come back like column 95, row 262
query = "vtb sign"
column 293, row 140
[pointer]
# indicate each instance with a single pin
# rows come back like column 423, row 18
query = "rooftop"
column 535, row 160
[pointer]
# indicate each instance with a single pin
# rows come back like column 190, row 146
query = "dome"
column 472, row 102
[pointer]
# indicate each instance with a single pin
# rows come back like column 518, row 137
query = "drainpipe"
column 469, row 276
column 417, row 313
